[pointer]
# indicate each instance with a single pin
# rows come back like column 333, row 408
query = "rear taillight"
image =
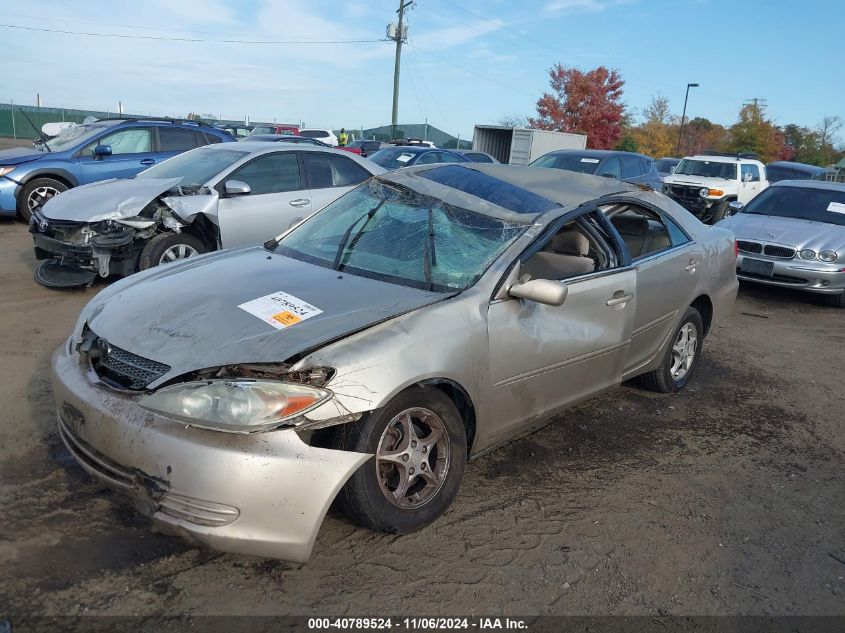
column 736, row 249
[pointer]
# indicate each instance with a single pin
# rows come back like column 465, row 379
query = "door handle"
column 148, row 161
column 300, row 202
column 692, row 265
column 619, row 299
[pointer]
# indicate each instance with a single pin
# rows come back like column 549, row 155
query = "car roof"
column 714, row 158
column 811, row 184
column 567, row 189
column 787, row 163
column 276, row 137
column 415, row 149
column 597, row 153
column 259, row 147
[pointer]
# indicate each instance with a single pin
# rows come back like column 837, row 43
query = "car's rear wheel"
column 35, row 194
column 170, row 247
column 420, row 451
column 681, row 358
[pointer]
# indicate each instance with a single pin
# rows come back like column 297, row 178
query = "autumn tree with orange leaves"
column 583, row 103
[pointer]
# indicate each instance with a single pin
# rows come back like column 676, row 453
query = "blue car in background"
column 81, row 154
column 406, row 155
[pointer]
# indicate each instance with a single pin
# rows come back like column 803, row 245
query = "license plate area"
column 757, row 267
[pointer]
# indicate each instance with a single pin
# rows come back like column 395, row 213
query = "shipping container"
column 521, row 146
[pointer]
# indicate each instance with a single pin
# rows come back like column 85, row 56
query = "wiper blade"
column 342, row 246
column 429, row 254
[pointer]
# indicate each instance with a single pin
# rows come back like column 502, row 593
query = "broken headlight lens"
column 241, row 406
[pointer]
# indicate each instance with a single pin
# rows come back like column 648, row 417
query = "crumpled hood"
column 19, row 155
column 701, row 181
column 106, row 200
column 787, row 231
column 186, row 314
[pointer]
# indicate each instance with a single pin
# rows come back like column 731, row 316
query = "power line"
column 471, row 71
column 504, row 27
column 184, row 39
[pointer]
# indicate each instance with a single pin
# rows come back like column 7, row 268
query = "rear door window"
column 174, row 139
column 327, row 170
column 135, row 140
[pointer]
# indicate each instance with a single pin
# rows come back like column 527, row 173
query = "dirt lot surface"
column 725, row 499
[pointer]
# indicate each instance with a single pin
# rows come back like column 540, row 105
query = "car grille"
column 119, row 368
column 779, row 251
column 749, row 247
column 689, row 198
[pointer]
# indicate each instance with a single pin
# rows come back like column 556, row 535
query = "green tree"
column 753, row 132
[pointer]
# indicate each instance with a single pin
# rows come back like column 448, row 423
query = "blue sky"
column 467, row 62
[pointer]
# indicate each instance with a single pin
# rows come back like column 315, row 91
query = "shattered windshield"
column 397, row 235
column 196, row 167
column 706, row 168
column 76, row 135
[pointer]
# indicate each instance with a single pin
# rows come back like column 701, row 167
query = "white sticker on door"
column 836, row 207
column 280, row 309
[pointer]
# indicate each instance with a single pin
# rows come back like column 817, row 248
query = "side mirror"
column 735, row 206
column 236, row 188
column 746, row 177
column 102, row 150
column 545, row 291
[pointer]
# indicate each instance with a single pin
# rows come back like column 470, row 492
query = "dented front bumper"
column 262, row 494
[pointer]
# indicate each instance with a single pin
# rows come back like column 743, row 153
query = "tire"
column 837, row 301
column 663, row 379
column 36, row 193
column 160, row 247
column 719, row 212
column 383, row 432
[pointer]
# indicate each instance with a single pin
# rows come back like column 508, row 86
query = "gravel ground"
column 725, row 499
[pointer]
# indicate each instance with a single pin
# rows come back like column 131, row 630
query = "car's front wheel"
column 169, row 247
column 681, row 358
column 837, row 301
column 419, row 443
column 35, row 194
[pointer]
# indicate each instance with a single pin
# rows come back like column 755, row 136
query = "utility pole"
column 758, row 103
column 399, row 37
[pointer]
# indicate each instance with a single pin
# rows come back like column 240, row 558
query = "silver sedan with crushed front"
column 424, row 318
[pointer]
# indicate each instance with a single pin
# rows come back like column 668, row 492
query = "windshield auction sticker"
column 280, row 309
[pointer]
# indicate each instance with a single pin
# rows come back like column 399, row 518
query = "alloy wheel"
column 412, row 458
column 683, row 351
column 177, row 252
column 39, row 197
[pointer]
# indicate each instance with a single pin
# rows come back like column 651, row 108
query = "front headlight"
column 704, row 192
column 828, row 256
column 241, row 405
column 807, row 253
column 6, row 170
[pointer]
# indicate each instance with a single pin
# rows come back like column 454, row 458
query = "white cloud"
column 563, row 7
column 447, row 37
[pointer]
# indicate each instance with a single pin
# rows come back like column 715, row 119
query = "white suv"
column 705, row 185
column 327, row 136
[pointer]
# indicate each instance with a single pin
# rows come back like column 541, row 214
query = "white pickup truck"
column 705, row 185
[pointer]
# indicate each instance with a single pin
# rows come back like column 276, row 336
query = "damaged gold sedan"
column 425, row 317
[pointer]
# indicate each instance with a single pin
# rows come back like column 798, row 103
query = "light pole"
column 684, row 116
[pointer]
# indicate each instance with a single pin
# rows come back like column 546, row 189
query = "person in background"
column 342, row 138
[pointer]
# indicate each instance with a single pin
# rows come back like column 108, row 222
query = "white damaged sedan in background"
column 206, row 199
column 424, row 318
